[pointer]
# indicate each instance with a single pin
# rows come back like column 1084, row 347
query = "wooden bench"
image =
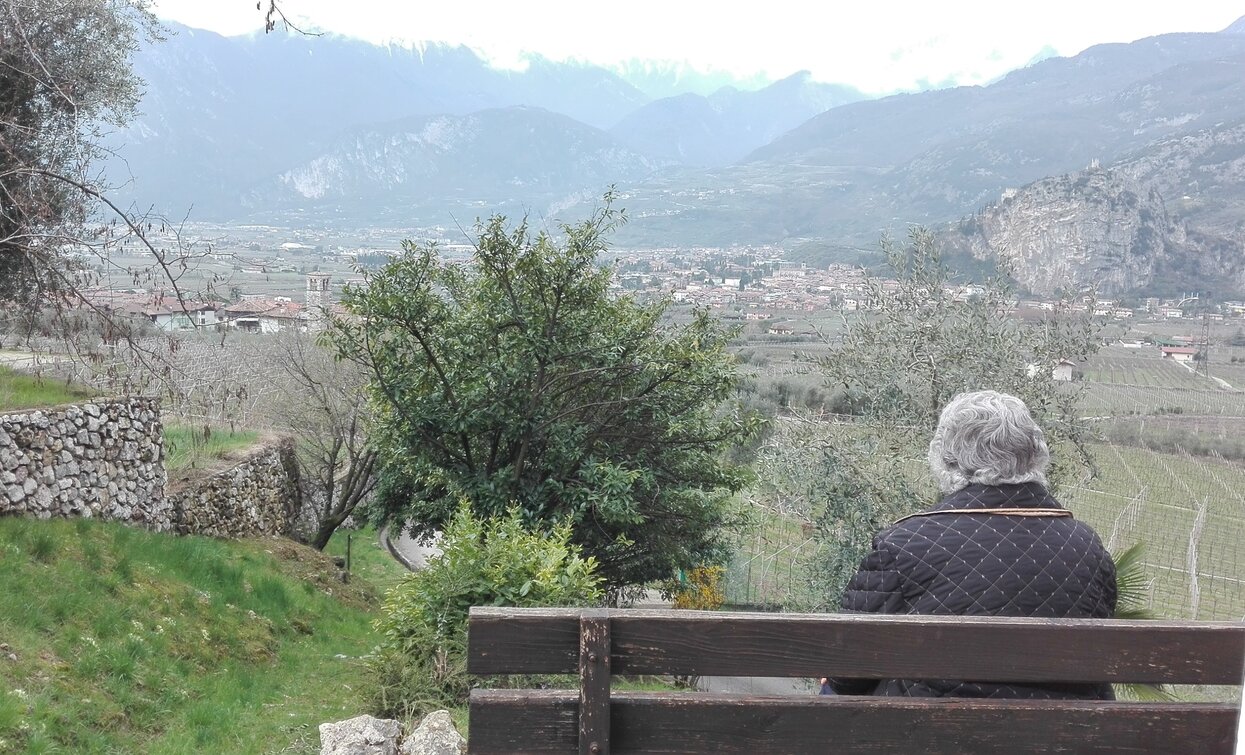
column 596, row 644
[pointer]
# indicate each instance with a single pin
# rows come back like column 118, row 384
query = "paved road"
column 415, row 554
column 758, row 685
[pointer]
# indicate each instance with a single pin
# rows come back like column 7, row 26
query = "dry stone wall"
column 100, row 459
column 259, row 495
column 105, row 459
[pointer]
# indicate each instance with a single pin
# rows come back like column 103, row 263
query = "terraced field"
column 1123, row 381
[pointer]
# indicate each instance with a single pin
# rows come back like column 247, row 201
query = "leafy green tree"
column 923, row 339
column 521, row 379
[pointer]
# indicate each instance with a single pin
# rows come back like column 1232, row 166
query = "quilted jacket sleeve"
column 877, row 586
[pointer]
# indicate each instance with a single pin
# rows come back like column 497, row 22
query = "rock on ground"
column 361, row 735
column 435, row 735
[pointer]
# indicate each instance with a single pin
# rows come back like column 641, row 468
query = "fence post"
column 594, row 682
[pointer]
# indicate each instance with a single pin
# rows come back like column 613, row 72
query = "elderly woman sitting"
column 998, row 544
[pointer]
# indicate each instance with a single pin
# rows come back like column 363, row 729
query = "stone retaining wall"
column 105, row 459
column 100, row 459
column 256, row 496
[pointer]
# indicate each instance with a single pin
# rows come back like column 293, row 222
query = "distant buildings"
column 1178, row 353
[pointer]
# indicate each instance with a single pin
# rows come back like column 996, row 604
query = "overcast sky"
column 876, row 46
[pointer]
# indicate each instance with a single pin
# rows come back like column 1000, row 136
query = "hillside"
column 128, row 641
column 464, row 163
column 1165, row 219
column 856, row 170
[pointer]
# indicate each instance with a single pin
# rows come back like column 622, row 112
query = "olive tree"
column 520, row 379
column 922, row 338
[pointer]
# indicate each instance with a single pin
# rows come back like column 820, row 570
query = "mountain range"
column 291, row 127
column 724, row 127
column 240, row 115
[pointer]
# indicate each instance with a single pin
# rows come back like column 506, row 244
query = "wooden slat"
column 528, row 721
column 594, row 683
column 541, row 642
column 868, row 646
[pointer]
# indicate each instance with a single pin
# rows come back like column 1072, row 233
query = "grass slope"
column 186, row 447
column 127, row 641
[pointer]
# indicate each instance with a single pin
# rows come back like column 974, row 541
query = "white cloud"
column 875, row 46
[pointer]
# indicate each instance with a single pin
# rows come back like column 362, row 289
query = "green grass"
column 188, row 447
column 129, row 641
column 369, row 560
column 21, row 391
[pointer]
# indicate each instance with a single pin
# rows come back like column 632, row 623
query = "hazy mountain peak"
column 719, row 129
column 667, row 78
column 1236, row 27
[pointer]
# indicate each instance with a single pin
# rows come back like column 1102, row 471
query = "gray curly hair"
column 990, row 438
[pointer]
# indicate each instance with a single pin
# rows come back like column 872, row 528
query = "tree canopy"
column 520, row 378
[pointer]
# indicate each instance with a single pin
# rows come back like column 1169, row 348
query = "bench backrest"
column 596, row 644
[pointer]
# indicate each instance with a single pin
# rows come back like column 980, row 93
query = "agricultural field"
column 1141, row 367
column 1131, row 381
column 1106, row 399
column 1190, row 515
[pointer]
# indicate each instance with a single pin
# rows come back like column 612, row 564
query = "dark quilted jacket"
column 984, row 565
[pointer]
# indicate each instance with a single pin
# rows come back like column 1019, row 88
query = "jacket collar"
column 1026, row 495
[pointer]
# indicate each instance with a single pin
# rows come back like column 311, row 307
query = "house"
column 1178, row 353
column 1063, row 370
column 291, row 316
column 165, row 312
column 244, row 315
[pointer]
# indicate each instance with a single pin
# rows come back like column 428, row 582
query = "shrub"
column 421, row 663
column 703, row 590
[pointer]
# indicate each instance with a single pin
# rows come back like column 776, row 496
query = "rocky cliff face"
column 1202, row 175
column 1094, row 227
column 1163, row 219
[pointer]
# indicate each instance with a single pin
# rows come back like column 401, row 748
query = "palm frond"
column 1133, row 584
column 1133, row 602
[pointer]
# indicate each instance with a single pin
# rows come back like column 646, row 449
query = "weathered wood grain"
column 527, row 721
column 594, row 683
column 868, row 646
